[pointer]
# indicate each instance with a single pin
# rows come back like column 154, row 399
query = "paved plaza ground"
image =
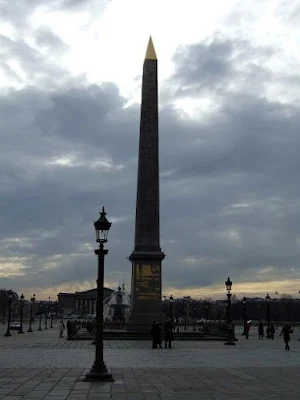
column 39, row 365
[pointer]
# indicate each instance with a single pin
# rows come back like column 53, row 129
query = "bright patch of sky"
column 109, row 43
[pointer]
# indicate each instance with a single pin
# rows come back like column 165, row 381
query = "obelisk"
column 147, row 256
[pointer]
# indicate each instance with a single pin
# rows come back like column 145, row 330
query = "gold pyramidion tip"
column 150, row 53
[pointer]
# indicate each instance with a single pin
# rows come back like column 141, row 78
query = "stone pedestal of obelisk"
column 146, row 258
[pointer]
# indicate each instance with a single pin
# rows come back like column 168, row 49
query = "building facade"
column 80, row 303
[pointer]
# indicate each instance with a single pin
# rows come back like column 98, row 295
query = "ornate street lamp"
column 9, row 296
column 32, row 300
column 51, row 317
column 46, row 317
column 230, row 336
column 21, row 313
column 171, row 299
column 268, row 298
column 40, row 317
column 99, row 371
column 244, row 301
column 228, row 284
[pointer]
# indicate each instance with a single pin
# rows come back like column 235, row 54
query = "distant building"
column 80, row 302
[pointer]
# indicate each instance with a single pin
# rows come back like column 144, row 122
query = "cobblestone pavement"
column 39, row 365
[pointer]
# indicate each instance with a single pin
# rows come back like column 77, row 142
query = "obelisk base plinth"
column 146, row 304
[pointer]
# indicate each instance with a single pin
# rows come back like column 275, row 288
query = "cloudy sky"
column 70, row 78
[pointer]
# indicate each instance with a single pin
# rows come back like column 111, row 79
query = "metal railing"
column 86, row 330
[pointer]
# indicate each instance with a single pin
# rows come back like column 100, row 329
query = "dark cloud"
column 29, row 65
column 217, row 65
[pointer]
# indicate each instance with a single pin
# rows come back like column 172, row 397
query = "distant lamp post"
column 9, row 298
column 99, row 371
column 21, row 313
column 230, row 336
column 32, row 300
column 51, row 317
column 268, row 299
column 244, row 301
column 49, row 310
column 171, row 299
column 40, row 317
column 46, row 317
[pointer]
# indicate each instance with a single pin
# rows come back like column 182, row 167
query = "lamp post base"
column 98, row 373
column 20, row 332
column 30, row 330
column 7, row 334
column 229, row 343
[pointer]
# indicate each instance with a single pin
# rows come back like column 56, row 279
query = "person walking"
column 61, row 328
column 271, row 331
column 261, row 332
column 286, row 330
column 168, row 334
column 247, row 329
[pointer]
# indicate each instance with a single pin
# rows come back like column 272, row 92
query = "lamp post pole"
column 46, row 317
column 40, row 317
column 244, row 314
column 186, row 312
column 171, row 308
column 9, row 295
column 230, row 336
column 51, row 318
column 268, row 298
column 21, row 313
column 177, row 317
column 32, row 300
column 99, row 371
column 49, row 310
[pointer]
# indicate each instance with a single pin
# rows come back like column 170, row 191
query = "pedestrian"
column 156, row 335
column 168, row 334
column 261, row 330
column 286, row 330
column 271, row 331
column 61, row 328
column 247, row 329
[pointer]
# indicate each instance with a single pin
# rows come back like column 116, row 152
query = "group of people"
column 156, row 333
column 270, row 331
column 286, row 331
